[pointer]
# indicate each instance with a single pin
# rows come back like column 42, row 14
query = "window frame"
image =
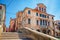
column 41, row 22
column 29, row 21
column 37, row 14
column 29, row 12
column 42, row 9
column 39, row 8
column 37, row 22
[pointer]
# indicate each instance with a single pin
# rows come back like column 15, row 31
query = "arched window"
column 37, row 22
column 29, row 21
column 39, row 8
column 36, row 14
column 29, row 12
column 40, row 22
column 42, row 9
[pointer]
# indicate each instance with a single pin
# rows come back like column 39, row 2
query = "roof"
column 26, row 8
column 38, row 10
column 41, row 4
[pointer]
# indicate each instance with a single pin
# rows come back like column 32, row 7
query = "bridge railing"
column 40, row 35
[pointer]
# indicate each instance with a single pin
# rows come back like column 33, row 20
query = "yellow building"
column 2, row 17
column 37, row 19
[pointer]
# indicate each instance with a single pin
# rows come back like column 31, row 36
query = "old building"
column 57, row 28
column 2, row 17
column 37, row 19
column 12, row 25
column 19, row 20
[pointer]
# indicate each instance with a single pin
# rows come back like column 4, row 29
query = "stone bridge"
column 25, row 34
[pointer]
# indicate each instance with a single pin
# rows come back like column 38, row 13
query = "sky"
column 13, row 6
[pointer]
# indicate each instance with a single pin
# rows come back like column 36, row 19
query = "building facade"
column 37, row 19
column 2, row 17
column 12, row 25
column 57, row 28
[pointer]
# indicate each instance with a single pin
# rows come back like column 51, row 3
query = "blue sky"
column 13, row 6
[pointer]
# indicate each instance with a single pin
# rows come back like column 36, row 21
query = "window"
column 36, row 14
column 42, row 9
column 29, row 21
column 58, row 22
column 39, row 8
column 48, row 23
column 0, row 7
column 47, row 16
column 59, row 28
column 37, row 22
column 40, row 15
column 43, row 22
column 52, row 17
column 44, row 16
column 40, row 22
column 28, row 11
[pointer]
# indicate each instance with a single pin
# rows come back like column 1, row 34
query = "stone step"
column 10, row 39
column 11, row 35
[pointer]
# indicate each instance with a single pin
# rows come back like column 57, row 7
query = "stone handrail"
column 38, row 34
